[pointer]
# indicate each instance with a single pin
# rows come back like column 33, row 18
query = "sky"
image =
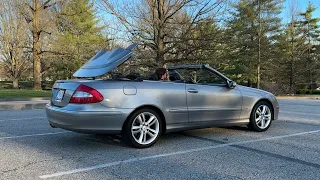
column 301, row 6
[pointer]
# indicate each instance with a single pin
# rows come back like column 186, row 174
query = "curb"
column 298, row 97
column 23, row 99
column 23, row 106
column 36, row 103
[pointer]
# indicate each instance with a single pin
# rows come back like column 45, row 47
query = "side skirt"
column 206, row 124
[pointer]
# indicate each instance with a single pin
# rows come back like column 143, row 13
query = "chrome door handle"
column 192, row 91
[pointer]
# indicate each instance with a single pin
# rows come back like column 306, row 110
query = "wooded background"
column 46, row 40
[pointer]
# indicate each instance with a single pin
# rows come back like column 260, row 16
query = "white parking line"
column 32, row 135
column 39, row 117
column 169, row 154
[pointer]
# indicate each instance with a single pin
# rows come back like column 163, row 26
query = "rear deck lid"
column 105, row 61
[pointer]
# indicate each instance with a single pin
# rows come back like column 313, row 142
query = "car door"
column 210, row 99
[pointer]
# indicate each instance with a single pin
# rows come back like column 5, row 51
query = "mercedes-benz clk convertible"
column 196, row 96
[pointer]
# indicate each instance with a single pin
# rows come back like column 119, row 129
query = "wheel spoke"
column 150, row 134
column 144, row 137
column 153, row 131
column 137, row 131
column 263, row 123
column 268, row 115
column 259, row 111
column 258, row 119
column 140, row 138
column 264, row 109
column 151, row 120
column 140, row 119
column 152, row 123
column 136, row 128
column 143, row 117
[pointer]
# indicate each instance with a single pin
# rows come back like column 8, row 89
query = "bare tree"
column 13, row 39
column 166, row 27
column 37, row 12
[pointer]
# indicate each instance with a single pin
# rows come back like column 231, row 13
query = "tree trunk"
column 292, row 58
column 36, row 48
column 309, row 55
column 259, row 47
column 160, row 34
column 249, row 83
column 14, row 71
column 160, row 57
column 291, row 76
column 15, row 83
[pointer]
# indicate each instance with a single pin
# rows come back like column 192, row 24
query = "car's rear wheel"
column 261, row 117
column 143, row 128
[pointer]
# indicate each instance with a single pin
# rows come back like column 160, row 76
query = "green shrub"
column 303, row 91
column 302, row 86
column 315, row 92
column 308, row 91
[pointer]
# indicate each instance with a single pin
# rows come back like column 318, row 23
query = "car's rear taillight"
column 85, row 94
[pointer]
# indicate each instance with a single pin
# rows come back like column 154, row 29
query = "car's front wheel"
column 261, row 117
column 143, row 128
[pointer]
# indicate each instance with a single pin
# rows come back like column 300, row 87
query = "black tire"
column 253, row 124
column 128, row 134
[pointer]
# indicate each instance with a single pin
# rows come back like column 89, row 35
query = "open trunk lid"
column 105, row 61
column 102, row 63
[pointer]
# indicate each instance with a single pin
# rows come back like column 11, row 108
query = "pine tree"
column 79, row 36
column 291, row 47
column 312, row 34
column 254, row 29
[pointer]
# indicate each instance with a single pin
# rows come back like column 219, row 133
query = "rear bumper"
column 92, row 118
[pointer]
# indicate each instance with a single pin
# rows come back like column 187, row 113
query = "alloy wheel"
column 263, row 116
column 145, row 128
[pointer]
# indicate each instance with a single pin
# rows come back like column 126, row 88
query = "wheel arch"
column 153, row 107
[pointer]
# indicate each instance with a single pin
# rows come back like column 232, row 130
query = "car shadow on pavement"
column 118, row 140
column 113, row 140
column 240, row 128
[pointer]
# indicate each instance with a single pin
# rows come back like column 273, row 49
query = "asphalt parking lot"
column 290, row 149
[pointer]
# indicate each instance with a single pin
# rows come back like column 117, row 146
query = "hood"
column 105, row 61
column 254, row 90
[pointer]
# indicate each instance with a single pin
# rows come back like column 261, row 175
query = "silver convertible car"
column 197, row 96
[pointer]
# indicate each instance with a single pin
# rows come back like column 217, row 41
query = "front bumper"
column 276, row 109
column 276, row 113
column 88, row 118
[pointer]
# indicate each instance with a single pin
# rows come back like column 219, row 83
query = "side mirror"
column 232, row 84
